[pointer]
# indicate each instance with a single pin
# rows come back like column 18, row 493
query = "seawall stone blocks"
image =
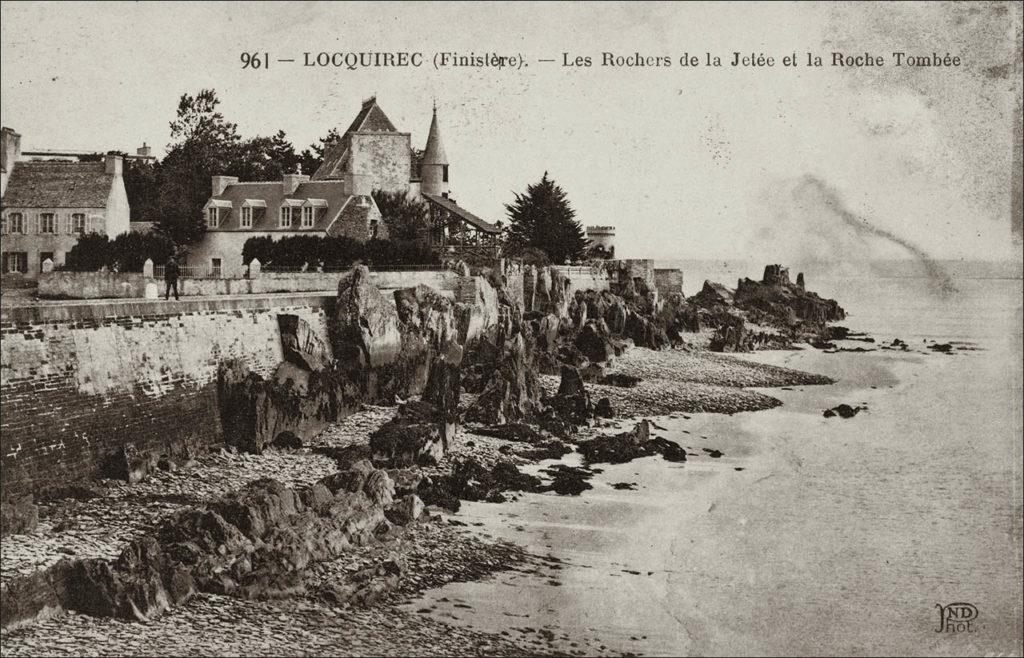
column 80, row 382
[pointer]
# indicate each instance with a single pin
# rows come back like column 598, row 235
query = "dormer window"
column 246, row 220
column 286, row 217
column 212, row 217
column 307, row 216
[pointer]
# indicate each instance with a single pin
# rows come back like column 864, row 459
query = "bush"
column 261, row 249
column 90, row 254
column 335, row 252
column 125, row 253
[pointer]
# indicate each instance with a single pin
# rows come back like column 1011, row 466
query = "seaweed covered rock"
column 512, row 393
column 415, row 436
column 19, row 515
column 627, row 446
column 572, row 402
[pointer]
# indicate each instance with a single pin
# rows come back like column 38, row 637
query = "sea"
column 895, row 532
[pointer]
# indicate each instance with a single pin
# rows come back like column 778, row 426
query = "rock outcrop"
column 627, row 446
column 254, row 543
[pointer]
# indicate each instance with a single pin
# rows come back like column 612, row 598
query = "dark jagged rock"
column 405, row 510
column 470, row 480
column 568, row 480
column 550, row 449
column 594, row 343
column 627, row 446
column 287, row 441
column 19, row 515
column 254, row 411
column 130, row 464
column 512, row 393
column 301, row 345
column 713, row 294
column 416, row 435
column 512, row 432
column 141, row 584
column 619, row 379
column 604, row 409
column 843, row 411
column 572, row 402
column 366, row 326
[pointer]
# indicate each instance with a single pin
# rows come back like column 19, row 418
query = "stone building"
column 337, row 199
column 47, row 204
column 602, row 241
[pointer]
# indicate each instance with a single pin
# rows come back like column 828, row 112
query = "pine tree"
column 543, row 219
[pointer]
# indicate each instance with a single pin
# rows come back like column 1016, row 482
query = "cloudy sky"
column 776, row 163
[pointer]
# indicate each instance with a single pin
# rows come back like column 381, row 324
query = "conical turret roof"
column 434, row 153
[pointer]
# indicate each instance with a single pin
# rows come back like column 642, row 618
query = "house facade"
column 47, row 205
column 337, row 199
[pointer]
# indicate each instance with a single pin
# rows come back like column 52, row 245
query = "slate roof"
column 458, row 210
column 434, row 152
column 58, row 185
column 272, row 194
column 335, row 163
column 372, row 119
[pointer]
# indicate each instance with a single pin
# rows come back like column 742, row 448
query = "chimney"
column 11, row 145
column 144, row 151
column 219, row 183
column 114, row 164
column 292, row 181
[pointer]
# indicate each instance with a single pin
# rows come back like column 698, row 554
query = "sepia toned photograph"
column 511, row 328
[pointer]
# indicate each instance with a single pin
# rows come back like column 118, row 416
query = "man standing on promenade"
column 171, row 278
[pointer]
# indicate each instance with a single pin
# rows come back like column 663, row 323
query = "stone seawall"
column 126, row 285
column 79, row 382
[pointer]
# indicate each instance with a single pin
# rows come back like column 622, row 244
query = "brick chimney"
column 11, row 145
column 292, row 181
column 144, row 151
column 219, row 183
column 114, row 164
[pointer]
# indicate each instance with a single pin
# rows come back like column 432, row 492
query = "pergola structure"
column 453, row 227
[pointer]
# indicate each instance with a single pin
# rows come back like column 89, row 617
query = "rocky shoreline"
column 330, row 503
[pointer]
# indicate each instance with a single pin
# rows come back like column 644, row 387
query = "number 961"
column 255, row 60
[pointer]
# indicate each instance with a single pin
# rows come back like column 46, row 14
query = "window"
column 307, row 217
column 444, row 173
column 16, row 261
column 47, row 223
column 286, row 217
column 246, row 217
column 374, row 228
column 78, row 223
column 212, row 218
column 215, row 267
column 16, row 222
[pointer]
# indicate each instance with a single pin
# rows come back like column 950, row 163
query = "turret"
column 434, row 167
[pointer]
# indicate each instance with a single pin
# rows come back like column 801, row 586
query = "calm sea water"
column 836, row 537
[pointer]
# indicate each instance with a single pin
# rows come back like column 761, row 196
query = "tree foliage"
column 406, row 217
column 543, row 219
column 313, row 157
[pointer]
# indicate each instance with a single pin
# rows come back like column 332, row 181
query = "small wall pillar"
column 147, row 268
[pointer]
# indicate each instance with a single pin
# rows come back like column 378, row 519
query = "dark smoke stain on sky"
column 832, row 200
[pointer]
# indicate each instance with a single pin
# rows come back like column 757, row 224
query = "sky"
column 775, row 163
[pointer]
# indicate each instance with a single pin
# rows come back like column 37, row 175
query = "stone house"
column 46, row 205
column 337, row 199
